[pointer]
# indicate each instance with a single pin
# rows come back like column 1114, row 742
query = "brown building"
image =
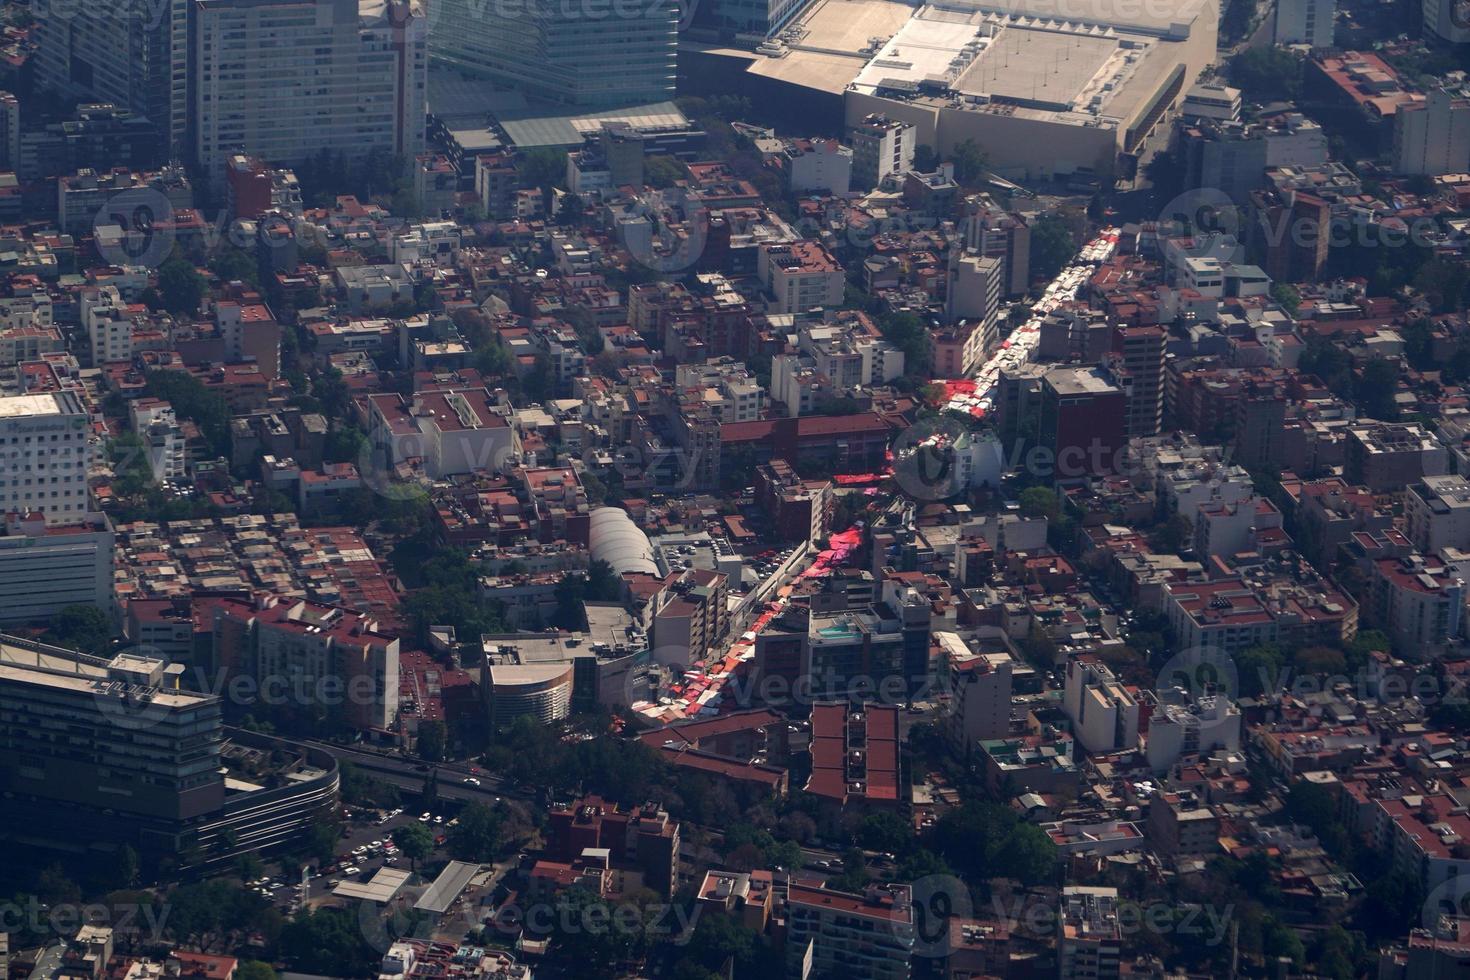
column 645, row 838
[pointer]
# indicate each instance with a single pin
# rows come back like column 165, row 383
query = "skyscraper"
column 593, row 53
column 130, row 53
column 283, row 79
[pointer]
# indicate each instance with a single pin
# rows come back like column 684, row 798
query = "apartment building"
column 1437, row 513
column 597, row 58
column 282, row 80
column 880, row 147
column 817, row 165
column 833, row 357
column 1389, row 456
column 156, row 425
column 315, row 657
column 999, row 234
column 1089, row 934
column 980, row 686
column 1309, row 22
column 451, row 431
column 1433, row 137
column 690, row 617
column 1225, row 614
column 44, row 569
column 1198, row 728
column 800, row 277
column 45, row 453
column 1417, row 601
column 1104, row 713
column 842, row 934
column 82, row 198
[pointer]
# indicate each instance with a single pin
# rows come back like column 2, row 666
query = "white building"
column 980, row 686
column 1104, row 713
column 1437, row 513
column 975, row 290
column 800, row 276
column 818, row 165
column 1211, row 101
column 1446, row 20
column 881, row 146
column 1305, row 22
column 449, row 432
column 840, row 934
column 284, row 79
column 1211, row 722
column 45, row 451
column 158, row 427
column 45, row 569
column 1433, row 136
column 109, row 328
column 1089, row 934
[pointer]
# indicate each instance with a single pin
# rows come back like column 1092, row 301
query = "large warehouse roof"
column 615, row 539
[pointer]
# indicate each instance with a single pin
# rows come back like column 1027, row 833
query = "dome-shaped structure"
column 614, row 538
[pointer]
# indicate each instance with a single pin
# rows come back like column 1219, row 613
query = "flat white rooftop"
column 26, row 406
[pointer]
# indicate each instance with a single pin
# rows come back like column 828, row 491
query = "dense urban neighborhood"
column 818, row 489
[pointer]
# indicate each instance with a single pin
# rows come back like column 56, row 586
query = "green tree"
column 192, row 400
column 662, row 172
column 1287, row 296
column 180, row 286
column 254, row 970
column 1266, row 74
column 84, row 628
column 970, row 162
column 477, row 836
column 328, row 941
column 233, row 264
column 907, row 332
column 415, row 840
column 1040, row 502
column 431, row 740
column 1052, row 246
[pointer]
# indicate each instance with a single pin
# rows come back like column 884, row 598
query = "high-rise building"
column 45, row 569
column 1141, row 350
column 130, row 54
column 9, row 132
column 974, row 292
column 1446, row 20
column 581, row 54
column 45, row 450
column 1305, row 22
column 999, row 234
column 1433, row 136
column 284, row 79
column 1089, row 934
column 881, row 146
column 867, row 935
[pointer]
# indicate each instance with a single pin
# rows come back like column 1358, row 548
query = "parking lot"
column 365, row 847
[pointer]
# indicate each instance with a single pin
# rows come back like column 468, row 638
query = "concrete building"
column 1196, row 729
column 542, row 691
column 1140, row 352
column 1309, row 22
column 1104, row 713
column 980, row 684
column 1181, row 826
column 600, row 58
column 1437, row 513
column 451, row 432
column 44, row 569
column 880, row 147
column 975, row 285
column 1389, row 456
column 818, row 165
column 690, row 617
column 1044, row 96
column 999, row 234
column 130, row 55
column 1433, row 137
column 1089, row 934
column 325, row 657
column 1417, row 601
column 1444, row 20
column 1211, row 101
column 1234, row 156
column 285, row 79
column 800, row 277
column 45, row 453
column 841, row 934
